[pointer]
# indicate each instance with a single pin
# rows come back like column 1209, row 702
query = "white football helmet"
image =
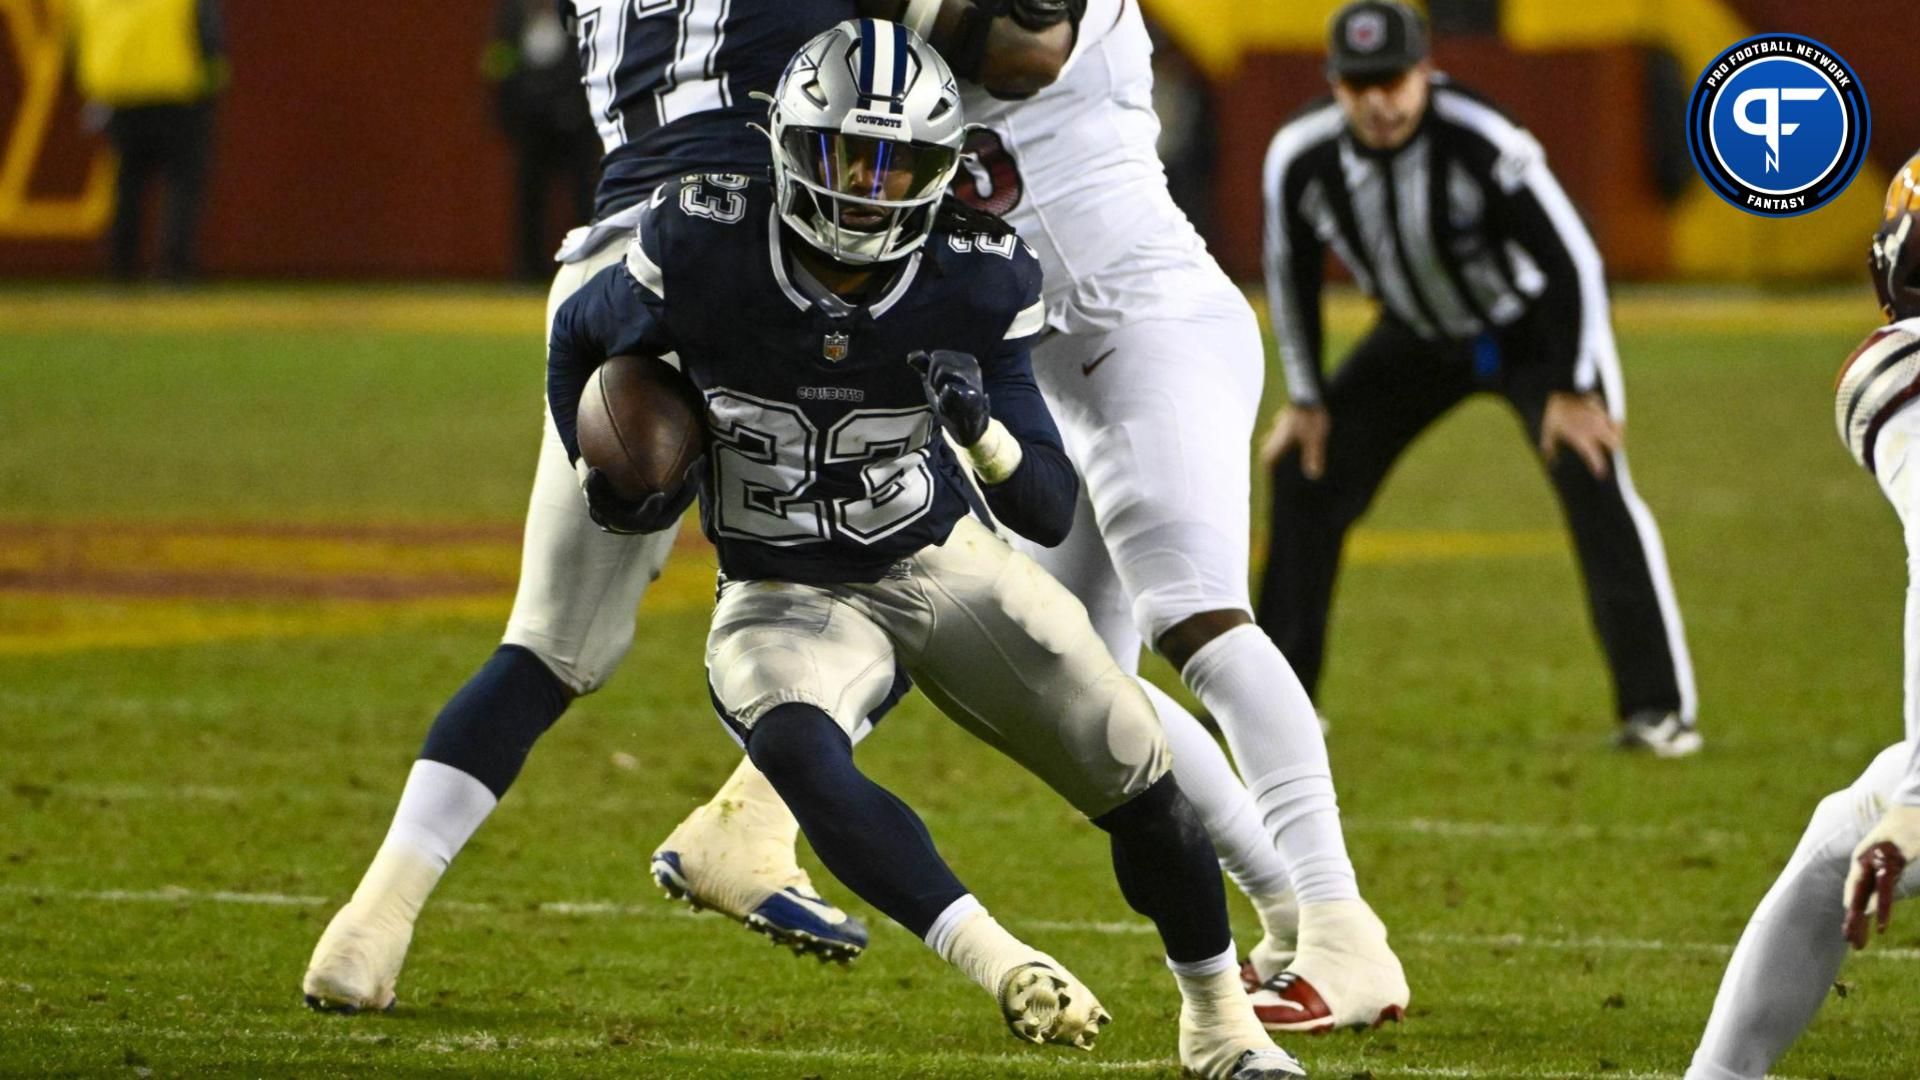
column 866, row 131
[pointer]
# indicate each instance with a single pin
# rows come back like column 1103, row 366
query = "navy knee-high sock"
column 488, row 728
column 870, row 840
column 1167, row 871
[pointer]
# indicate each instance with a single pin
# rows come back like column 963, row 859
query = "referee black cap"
column 1370, row 40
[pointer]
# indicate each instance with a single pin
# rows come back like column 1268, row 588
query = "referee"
column 1445, row 212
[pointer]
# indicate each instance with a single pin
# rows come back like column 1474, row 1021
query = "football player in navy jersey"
column 864, row 318
column 1151, row 367
column 670, row 83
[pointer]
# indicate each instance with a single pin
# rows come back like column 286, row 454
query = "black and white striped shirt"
column 1461, row 231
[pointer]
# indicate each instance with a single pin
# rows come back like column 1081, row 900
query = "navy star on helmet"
column 866, row 129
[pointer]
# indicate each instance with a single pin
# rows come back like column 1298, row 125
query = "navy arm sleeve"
column 1037, row 500
column 611, row 315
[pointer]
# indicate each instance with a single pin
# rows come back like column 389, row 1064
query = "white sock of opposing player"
column 1206, row 777
column 1788, row 955
column 1276, row 739
column 439, row 810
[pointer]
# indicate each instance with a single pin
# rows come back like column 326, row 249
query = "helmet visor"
column 879, row 170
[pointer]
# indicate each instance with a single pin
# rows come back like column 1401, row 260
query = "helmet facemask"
column 858, row 198
column 866, row 132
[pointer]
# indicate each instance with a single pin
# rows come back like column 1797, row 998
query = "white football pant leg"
column 1792, row 948
column 1006, row 652
column 1241, row 842
column 776, row 643
column 579, row 586
column 1159, row 415
column 1082, row 564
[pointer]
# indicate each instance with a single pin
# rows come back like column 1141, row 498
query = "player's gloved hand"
column 1040, row 14
column 1878, row 861
column 657, row 511
column 955, row 390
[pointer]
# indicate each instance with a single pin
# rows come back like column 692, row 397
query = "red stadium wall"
column 1601, row 154
column 355, row 140
column 1590, row 107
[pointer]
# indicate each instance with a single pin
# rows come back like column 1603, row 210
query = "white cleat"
column 1343, row 976
column 1043, row 1003
column 716, row 859
column 357, row 962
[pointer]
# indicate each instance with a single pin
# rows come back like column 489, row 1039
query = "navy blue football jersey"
column 826, row 462
column 668, row 82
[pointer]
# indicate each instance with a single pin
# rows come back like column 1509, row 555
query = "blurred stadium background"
column 359, row 142
column 253, row 533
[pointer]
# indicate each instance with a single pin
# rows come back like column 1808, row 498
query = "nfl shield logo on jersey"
column 834, row 345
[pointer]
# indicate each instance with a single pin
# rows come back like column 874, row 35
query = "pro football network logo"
column 1778, row 125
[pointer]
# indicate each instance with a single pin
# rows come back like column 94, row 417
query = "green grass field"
column 249, row 542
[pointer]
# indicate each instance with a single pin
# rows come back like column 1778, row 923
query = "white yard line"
column 1519, row 830
column 1431, row 828
column 371, row 1031
column 1118, row 928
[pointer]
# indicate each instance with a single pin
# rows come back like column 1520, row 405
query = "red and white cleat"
column 1344, row 976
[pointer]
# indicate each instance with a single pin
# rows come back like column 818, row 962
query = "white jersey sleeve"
column 1076, row 170
column 1096, row 22
column 1879, row 379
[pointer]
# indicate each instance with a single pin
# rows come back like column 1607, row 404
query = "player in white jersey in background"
column 1153, row 368
column 1861, row 850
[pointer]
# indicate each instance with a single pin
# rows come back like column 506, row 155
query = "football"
column 642, row 423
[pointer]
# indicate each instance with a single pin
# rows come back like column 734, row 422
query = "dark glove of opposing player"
column 955, row 390
column 1040, row 14
column 657, row 511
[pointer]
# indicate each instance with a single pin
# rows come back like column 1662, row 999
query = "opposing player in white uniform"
column 1861, row 851
column 1153, row 368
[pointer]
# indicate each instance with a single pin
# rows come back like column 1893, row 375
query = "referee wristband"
column 996, row 455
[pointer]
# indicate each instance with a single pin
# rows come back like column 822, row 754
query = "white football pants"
column 1004, row 650
column 579, row 586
